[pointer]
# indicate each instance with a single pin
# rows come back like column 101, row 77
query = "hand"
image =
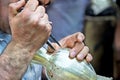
column 75, row 42
column 30, row 27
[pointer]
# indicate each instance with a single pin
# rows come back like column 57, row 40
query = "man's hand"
column 30, row 27
column 75, row 42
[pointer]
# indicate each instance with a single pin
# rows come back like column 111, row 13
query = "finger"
column 76, row 49
column 14, row 7
column 40, row 11
column 44, row 21
column 80, row 37
column 39, row 17
column 31, row 5
column 89, row 57
column 44, row 24
column 83, row 53
column 68, row 41
column 50, row 50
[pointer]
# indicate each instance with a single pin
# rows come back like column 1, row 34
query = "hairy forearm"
column 14, row 61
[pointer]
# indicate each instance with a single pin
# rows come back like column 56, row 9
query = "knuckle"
column 45, row 27
column 26, row 15
column 49, row 28
column 46, row 16
column 35, row 21
column 78, row 32
column 81, row 34
column 89, row 56
column 26, row 12
column 79, row 58
column 42, row 8
column 11, row 6
column 82, row 45
column 86, row 47
column 37, row 3
column 42, row 23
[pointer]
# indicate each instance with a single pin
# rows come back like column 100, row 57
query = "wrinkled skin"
column 29, row 26
column 4, row 24
column 30, row 29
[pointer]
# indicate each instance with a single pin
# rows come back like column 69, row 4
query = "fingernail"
column 72, row 54
column 80, row 57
